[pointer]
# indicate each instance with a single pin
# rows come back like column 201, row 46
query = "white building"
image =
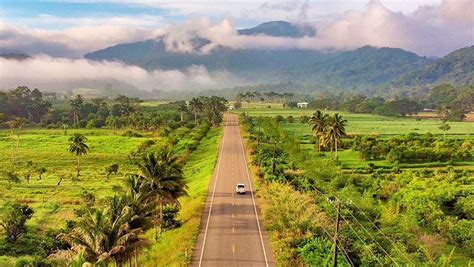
column 302, row 104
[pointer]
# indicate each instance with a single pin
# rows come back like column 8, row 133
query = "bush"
column 14, row 220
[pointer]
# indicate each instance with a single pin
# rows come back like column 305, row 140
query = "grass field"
column 54, row 205
column 368, row 123
column 365, row 124
column 176, row 246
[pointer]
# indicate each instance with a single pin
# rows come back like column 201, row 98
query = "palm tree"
column 104, row 235
column 16, row 123
column 319, row 121
column 182, row 109
column 79, row 147
column 335, row 131
column 162, row 176
column 196, row 106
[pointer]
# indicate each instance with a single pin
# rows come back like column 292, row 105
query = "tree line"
column 449, row 102
column 23, row 106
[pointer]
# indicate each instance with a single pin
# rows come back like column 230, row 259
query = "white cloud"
column 431, row 31
column 60, row 73
column 70, row 42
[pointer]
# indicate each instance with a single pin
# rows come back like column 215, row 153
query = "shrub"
column 14, row 220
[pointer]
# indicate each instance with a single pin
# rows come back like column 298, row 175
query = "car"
column 240, row 189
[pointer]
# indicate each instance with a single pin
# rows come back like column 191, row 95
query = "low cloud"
column 71, row 42
column 49, row 73
column 430, row 30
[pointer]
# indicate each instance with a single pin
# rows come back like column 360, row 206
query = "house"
column 302, row 104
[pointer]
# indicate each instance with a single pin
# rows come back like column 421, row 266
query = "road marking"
column 233, row 229
column 212, row 198
column 253, row 199
column 233, row 249
column 233, row 215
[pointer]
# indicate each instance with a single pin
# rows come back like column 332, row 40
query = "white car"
column 240, row 189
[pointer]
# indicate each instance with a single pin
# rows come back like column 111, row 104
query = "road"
column 231, row 233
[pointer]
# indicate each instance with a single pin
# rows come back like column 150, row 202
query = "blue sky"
column 38, row 14
column 73, row 28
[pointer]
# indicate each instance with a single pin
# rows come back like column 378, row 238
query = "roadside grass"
column 175, row 247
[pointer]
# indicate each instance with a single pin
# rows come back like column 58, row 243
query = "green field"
column 53, row 205
column 364, row 124
column 368, row 123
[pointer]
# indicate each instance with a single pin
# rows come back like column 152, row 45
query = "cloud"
column 73, row 41
column 50, row 73
column 430, row 30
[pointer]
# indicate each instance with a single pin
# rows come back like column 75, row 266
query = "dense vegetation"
column 405, row 216
column 96, row 215
column 449, row 102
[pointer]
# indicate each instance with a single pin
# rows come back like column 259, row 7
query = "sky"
column 59, row 33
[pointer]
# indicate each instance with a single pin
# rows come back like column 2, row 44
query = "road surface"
column 231, row 233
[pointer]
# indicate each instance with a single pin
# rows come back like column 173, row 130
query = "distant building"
column 429, row 110
column 302, row 104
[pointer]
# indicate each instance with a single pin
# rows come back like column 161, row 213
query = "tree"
column 162, row 176
column 213, row 107
column 14, row 220
column 334, row 132
column 76, row 105
column 444, row 127
column 78, row 147
column 182, row 109
column 112, row 169
column 195, row 106
column 41, row 171
column 16, row 123
column 319, row 121
column 104, row 235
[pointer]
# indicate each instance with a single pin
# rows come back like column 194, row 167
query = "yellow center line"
column 233, row 248
column 233, row 229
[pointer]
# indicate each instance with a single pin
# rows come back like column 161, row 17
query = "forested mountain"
column 456, row 68
column 366, row 67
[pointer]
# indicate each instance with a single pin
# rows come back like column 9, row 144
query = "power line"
column 380, row 231
column 346, row 255
column 318, row 192
column 368, row 233
column 358, row 236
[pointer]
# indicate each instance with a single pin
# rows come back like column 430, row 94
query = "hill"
column 455, row 68
column 365, row 67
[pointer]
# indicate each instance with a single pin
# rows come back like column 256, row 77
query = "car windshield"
column 241, row 186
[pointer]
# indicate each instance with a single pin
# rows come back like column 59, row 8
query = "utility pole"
column 336, row 235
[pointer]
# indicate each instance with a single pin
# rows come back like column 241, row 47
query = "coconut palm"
column 319, row 121
column 182, row 109
column 162, row 176
column 16, row 123
column 335, row 130
column 78, row 147
column 195, row 106
column 104, row 235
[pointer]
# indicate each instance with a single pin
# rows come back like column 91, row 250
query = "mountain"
column 456, row 68
column 360, row 68
column 16, row 56
column 280, row 29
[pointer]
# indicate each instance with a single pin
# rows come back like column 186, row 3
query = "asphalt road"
column 231, row 233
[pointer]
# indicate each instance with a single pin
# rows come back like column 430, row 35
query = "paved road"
column 231, row 233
